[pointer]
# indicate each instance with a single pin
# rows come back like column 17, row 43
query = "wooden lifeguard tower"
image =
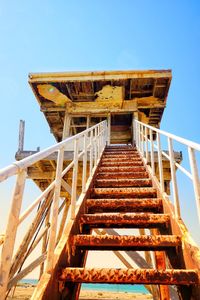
column 107, row 171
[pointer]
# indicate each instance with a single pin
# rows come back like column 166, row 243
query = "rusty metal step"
column 136, row 276
column 116, row 169
column 126, row 182
column 124, row 205
column 122, row 163
column 147, row 192
column 125, row 220
column 104, row 175
column 125, row 242
column 120, row 159
column 117, row 149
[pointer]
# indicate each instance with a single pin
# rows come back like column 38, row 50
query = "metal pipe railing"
column 94, row 141
column 144, row 139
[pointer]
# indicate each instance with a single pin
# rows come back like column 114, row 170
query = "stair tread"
column 124, row 242
column 133, row 192
column 134, row 182
column 125, row 220
column 130, row 204
column 121, row 169
column 120, row 175
column 123, row 163
column 140, row 276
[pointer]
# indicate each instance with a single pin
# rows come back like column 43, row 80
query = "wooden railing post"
column 160, row 165
column 174, row 181
column 74, row 180
column 11, row 232
column 84, row 163
column 54, row 216
column 146, row 145
column 152, row 153
column 195, row 178
column 91, row 151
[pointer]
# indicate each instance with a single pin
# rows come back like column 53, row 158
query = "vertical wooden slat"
column 109, row 128
column 54, row 216
column 66, row 128
column 91, row 151
column 11, row 232
column 146, row 145
column 84, row 163
column 195, row 177
column 160, row 165
column 74, row 180
column 152, row 153
column 174, row 181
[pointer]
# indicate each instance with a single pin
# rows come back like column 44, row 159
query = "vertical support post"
column 11, row 232
column 66, row 128
column 55, row 208
column 74, row 180
column 146, row 145
column 84, row 163
column 195, row 177
column 21, row 135
column 174, row 181
column 152, row 153
column 91, row 151
column 95, row 146
column 160, row 165
column 109, row 128
column 98, row 141
column 142, row 140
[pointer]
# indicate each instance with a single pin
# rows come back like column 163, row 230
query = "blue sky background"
column 42, row 36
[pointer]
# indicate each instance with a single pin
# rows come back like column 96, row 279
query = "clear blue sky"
column 40, row 36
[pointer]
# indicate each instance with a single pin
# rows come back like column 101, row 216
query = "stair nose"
column 125, row 220
column 123, row 182
column 124, row 205
column 125, row 242
column 132, row 276
column 147, row 192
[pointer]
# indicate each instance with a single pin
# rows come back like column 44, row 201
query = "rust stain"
column 124, row 205
column 140, row 276
column 125, row 192
column 132, row 182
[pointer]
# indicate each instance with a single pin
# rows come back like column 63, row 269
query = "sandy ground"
column 25, row 291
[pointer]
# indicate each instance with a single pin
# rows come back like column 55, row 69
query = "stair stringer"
column 190, row 252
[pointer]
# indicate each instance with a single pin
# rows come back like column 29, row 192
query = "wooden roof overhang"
column 100, row 93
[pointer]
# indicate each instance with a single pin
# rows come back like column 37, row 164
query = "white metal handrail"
column 94, row 141
column 143, row 137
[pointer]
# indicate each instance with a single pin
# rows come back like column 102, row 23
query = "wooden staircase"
column 123, row 196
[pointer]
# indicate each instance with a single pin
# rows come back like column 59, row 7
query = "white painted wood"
column 195, row 176
column 146, row 145
column 160, row 165
column 174, row 181
column 91, row 151
column 152, row 152
column 21, row 135
column 11, row 232
column 84, row 164
column 109, row 128
column 74, row 180
column 55, row 208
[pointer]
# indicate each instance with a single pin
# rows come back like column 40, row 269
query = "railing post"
column 98, row 141
column 11, row 232
column 74, row 180
column 95, row 146
column 152, row 153
column 195, row 177
column 109, row 129
column 174, row 181
column 55, row 207
column 146, row 145
column 160, row 165
column 142, row 140
column 91, row 151
column 84, row 163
